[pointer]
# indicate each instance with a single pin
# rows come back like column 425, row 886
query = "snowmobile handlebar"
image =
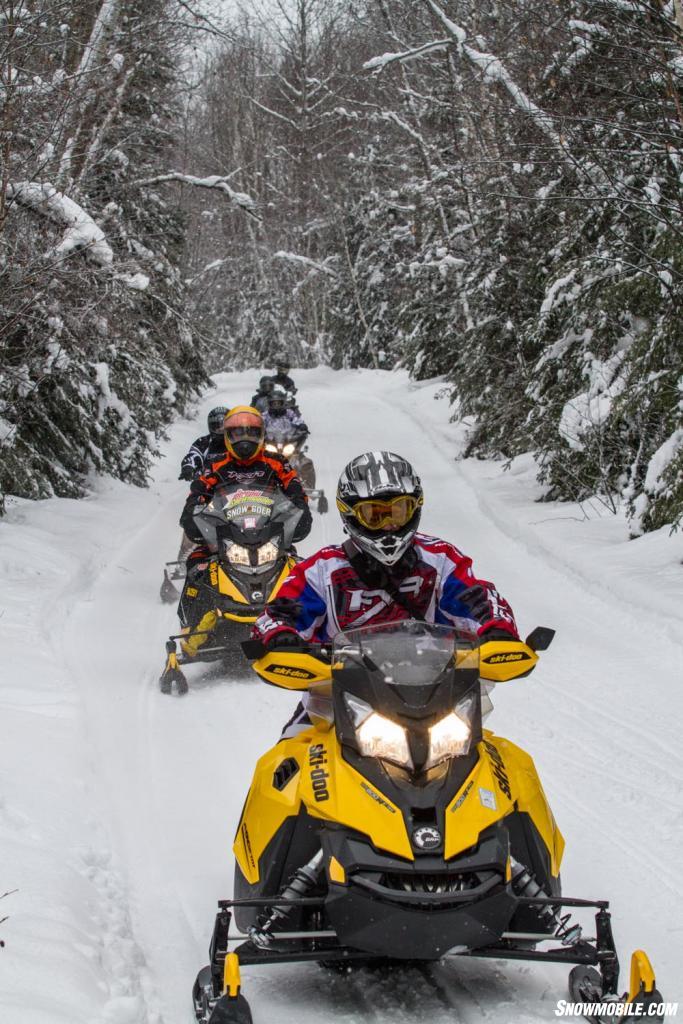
column 297, row 664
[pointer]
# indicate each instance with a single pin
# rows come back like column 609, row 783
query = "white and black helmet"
column 215, row 419
column 379, row 496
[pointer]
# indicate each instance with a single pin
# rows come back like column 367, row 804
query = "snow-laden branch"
column 494, row 70
column 82, row 233
column 378, row 64
column 293, row 257
column 273, row 113
column 241, row 199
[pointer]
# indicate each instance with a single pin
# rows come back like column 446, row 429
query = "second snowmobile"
column 396, row 828
column 249, row 532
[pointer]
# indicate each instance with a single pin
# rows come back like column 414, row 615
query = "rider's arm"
column 298, row 424
column 462, row 596
column 201, row 490
column 194, row 459
column 299, row 607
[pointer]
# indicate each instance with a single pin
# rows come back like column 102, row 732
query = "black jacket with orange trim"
column 266, row 471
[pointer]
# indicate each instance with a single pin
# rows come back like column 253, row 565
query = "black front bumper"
column 418, row 910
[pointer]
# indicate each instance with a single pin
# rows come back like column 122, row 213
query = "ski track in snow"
column 118, row 805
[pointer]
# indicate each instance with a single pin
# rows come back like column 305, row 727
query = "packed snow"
column 118, row 805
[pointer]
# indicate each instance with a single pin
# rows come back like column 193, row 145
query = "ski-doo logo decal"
column 426, row 837
column 498, row 769
column 213, row 573
column 377, row 797
column 316, row 759
column 247, row 844
column 463, row 796
column 293, row 673
column 497, row 659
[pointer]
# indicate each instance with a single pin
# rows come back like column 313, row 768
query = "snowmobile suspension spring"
column 301, row 883
column 524, row 884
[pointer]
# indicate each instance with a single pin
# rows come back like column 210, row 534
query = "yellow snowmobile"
column 397, row 828
column 249, row 532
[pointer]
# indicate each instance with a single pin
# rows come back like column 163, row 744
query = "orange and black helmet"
column 244, row 433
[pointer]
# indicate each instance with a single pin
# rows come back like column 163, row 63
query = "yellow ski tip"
column 231, row 976
column 642, row 975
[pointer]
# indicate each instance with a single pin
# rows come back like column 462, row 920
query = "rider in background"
column 283, row 364
column 260, row 399
column 280, row 419
column 246, row 464
column 207, row 448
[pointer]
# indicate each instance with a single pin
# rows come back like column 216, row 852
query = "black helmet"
column 265, row 385
column 277, row 400
column 380, row 500
column 215, row 419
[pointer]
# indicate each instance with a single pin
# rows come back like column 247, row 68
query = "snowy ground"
column 118, row 805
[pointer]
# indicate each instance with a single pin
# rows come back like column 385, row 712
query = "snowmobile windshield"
column 407, row 653
column 242, row 505
column 248, row 514
column 281, row 433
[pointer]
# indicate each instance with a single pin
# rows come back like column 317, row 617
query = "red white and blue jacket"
column 324, row 595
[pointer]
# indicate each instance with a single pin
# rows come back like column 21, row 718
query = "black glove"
column 187, row 473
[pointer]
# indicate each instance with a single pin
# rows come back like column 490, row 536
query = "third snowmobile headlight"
column 237, row 554
column 289, row 449
column 267, row 553
column 451, row 737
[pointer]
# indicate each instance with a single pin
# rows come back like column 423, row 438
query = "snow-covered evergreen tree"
column 96, row 351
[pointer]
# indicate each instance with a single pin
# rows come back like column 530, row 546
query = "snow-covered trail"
column 118, row 805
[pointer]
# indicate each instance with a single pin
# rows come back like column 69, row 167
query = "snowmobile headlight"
column 378, row 736
column 271, row 448
column 451, row 737
column 289, row 449
column 267, row 553
column 237, row 554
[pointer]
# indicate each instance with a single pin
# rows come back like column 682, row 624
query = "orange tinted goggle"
column 375, row 514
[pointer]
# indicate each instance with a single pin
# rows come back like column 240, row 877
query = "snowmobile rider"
column 385, row 571
column 245, row 463
column 280, row 418
column 283, row 365
column 207, row 448
column 260, row 399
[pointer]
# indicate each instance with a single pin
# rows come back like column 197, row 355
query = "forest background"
column 486, row 192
